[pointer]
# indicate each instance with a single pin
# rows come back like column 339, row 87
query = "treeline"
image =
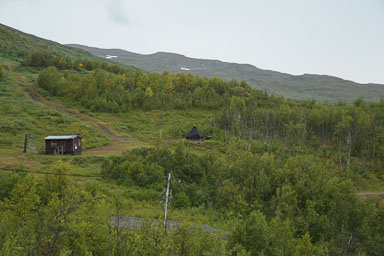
column 44, row 59
column 104, row 87
column 279, row 205
column 103, row 91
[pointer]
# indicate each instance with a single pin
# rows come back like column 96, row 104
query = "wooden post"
column 166, row 202
column 25, row 143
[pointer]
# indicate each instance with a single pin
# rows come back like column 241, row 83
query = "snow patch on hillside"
column 110, row 56
column 184, row 68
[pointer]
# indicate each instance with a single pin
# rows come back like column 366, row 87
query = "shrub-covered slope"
column 279, row 177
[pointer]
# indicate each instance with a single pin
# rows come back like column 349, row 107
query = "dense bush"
column 44, row 59
column 281, row 202
column 348, row 133
column 106, row 91
column 1, row 73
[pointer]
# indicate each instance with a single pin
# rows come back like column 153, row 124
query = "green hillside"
column 278, row 177
column 323, row 88
column 15, row 44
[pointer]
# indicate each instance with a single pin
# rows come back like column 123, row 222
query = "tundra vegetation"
column 279, row 177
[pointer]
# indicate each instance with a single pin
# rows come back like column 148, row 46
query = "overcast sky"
column 344, row 38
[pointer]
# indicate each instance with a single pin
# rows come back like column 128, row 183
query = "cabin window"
column 53, row 143
column 77, row 143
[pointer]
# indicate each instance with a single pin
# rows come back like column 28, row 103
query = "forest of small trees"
column 282, row 175
column 103, row 91
column 347, row 132
column 280, row 205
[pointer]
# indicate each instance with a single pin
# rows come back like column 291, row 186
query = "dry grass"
column 116, row 147
column 15, row 161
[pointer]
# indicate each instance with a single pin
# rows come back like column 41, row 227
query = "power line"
column 82, row 175
column 196, row 187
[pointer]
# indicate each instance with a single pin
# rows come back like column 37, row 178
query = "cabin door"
column 62, row 145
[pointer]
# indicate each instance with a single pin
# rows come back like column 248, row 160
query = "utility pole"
column 26, row 141
column 166, row 200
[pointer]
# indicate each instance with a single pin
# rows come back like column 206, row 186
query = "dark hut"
column 194, row 134
column 60, row 145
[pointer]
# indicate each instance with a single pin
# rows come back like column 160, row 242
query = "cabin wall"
column 48, row 149
column 77, row 146
column 69, row 146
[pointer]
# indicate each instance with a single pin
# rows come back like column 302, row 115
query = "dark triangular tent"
column 194, row 134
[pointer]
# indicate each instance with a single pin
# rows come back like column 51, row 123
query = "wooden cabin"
column 194, row 134
column 60, row 145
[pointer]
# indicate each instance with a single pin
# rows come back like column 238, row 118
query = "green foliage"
column 305, row 246
column 43, row 219
column 17, row 45
column 116, row 89
column 259, row 237
column 1, row 73
column 279, row 177
column 48, row 78
column 181, row 200
column 135, row 169
column 302, row 192
column 40, row 59
column 348, row 133
column 8, row 181
column 186, row 240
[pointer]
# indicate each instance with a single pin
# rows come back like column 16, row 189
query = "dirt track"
column 120, row 143
column 377, row 193
column 29, row 89
column 61, row 108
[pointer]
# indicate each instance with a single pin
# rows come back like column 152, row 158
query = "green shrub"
column 1, row 73
column 40, row 59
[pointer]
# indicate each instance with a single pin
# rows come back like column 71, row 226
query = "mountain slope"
column 321, row 87
column 16, row 45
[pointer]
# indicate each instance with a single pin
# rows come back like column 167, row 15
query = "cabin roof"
column 65, row 137
column 193, row 132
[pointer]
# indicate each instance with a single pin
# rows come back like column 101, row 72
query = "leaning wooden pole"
column 166, row 201
column 25, row 143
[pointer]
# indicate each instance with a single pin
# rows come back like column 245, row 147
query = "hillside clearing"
column 118, row 142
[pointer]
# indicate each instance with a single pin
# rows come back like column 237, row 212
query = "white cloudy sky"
column 344, row 38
